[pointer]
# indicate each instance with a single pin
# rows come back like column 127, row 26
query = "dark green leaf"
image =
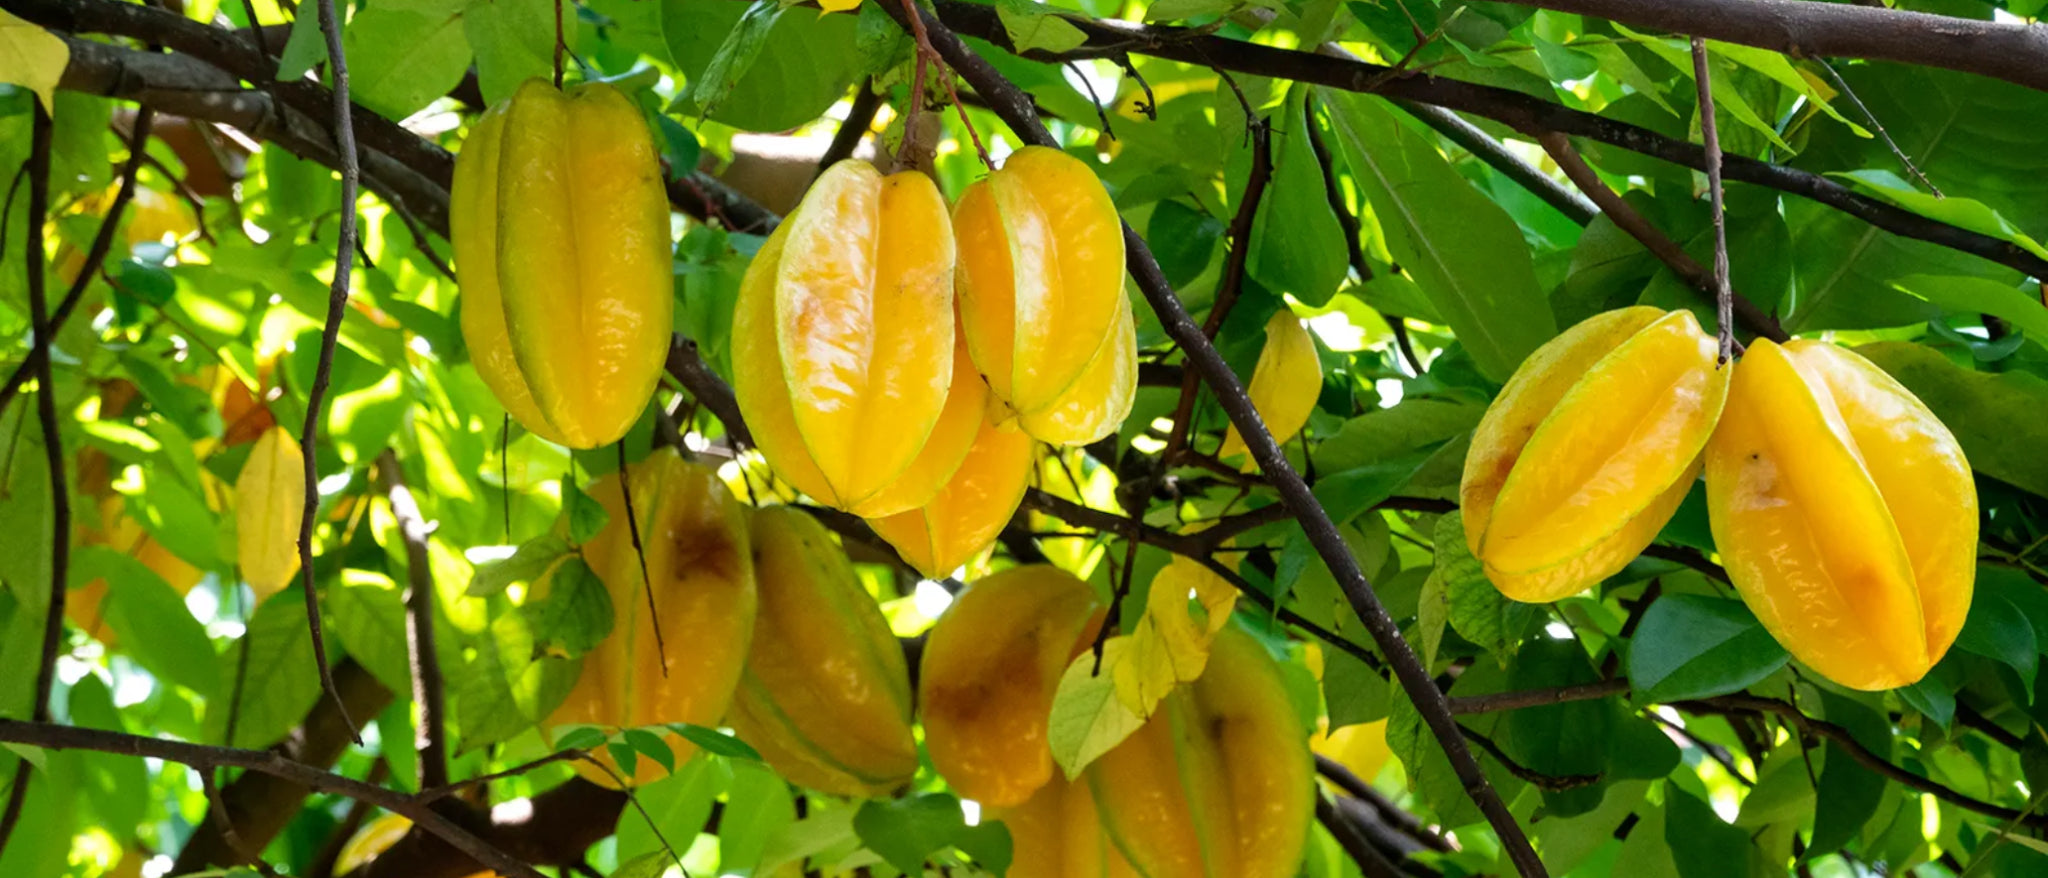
column 652, row 746
column 716, row 742
column 1463, row 250
column 584, row 738
column 1297, row 246
column 573, row 615
column 1702, row 845
column 1997, row 630
column 1693, row 646
column 1475, row 608
column 1183, row 239
column 800, row 67
column 907, row 832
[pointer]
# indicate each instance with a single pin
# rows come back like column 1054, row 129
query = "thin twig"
column 922, row 35
column 1347, row 222
column 860, row 116
column 428, row 684
column 337, row 302
column 1101, row 112
column 53, row 453
column 442, row 791
column 1549, row 783
column 1878, row 125
column 96, row 253
column 640, row 551
column 561, row 45
column 1653, row 239
column 1150, row 105
column 1723, row 296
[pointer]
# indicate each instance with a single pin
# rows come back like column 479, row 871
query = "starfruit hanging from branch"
column 1218, row 783
column 988, row 674
column 826, row 694
column 1589, row 449
column 1844, row 512
column 560, row 227
column 701, row 571
column 843, row 347
column 970, row 510
column 1285, row 384
column 1042, row 295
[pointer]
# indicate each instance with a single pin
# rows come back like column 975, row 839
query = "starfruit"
column 970, row 510
column 270, row 501
column 843, row 334
column 991, row 665
column 1589, row 449
column 1218, row 783
column 694, row 534
column 951, row 439
column 560, row 227
column 826, row 694
column 1056, row 834
column 1285, row 384
column 1844, row 512
column 1041, row 295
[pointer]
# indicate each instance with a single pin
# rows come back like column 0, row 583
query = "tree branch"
column 2016, row 53
column 428, row 689
column 59, row 737
column 1015, row 109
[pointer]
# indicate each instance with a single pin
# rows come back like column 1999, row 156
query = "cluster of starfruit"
column 767, row 629
column 1843, row 510
column 900, row 363
column 1217, row 782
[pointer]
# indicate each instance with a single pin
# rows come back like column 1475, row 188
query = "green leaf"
column 1966, row 213
column 1693, row 646
column 586, row 516
column 1346, row 495
column 804, row 64
column 1183, row 239
column 1087, row 718
column 652, row 746
column 26, row 521
column 758, row 806
column 653, row 864
column 528, row 564
column 1353, row 692
column 1378, row 435
column 150, row 619
column 1474, row 607
column 575, row 613
column 1432, row 615
column 1559, row 740
column 400, row 59
column 1978, row 408
column 907, row 832
column 367, row 613
column 581, row 738
column 1702, row 845
column 1297, row 245
column 1035, row 26
column 716, row 742
column 1462, row 249
column 1933, row 698
column 281, row 682
column 514, row 40
column 303, row 50
column 742, row 45
column 1849, row 794
column 679, row 805
column 1998, row 630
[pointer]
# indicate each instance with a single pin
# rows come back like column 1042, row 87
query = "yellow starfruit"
column 987, row 678
column 826, row 693
column 1844, row 512
column 1041, row 295
column 843, row 334
column 270, row 500
column 1056, row 834
column 967, row 514
column 694, row 534
column 560, row 227
column 1218, row 783
column 1589, row 449
column 1285, row 384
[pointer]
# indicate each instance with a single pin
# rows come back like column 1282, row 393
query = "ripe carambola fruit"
column 1056, row 834
column 1285, row 383
column 560, row 228
column 970, row 509
column 1589, row 449
column 826, row 694
column 1042, row 295
column 843, row 335
column 990, row 668
column 702, row 571
column 1220, row 781
column 270, row 500
column 1844, row 512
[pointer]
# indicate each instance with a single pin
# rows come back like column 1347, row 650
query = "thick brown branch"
column 2016, row 53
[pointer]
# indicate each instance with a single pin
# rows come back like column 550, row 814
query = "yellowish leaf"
column 1088, row 719
column 1285, row 383
column 1170, row 644
column 270, row 497
column 31, row 57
